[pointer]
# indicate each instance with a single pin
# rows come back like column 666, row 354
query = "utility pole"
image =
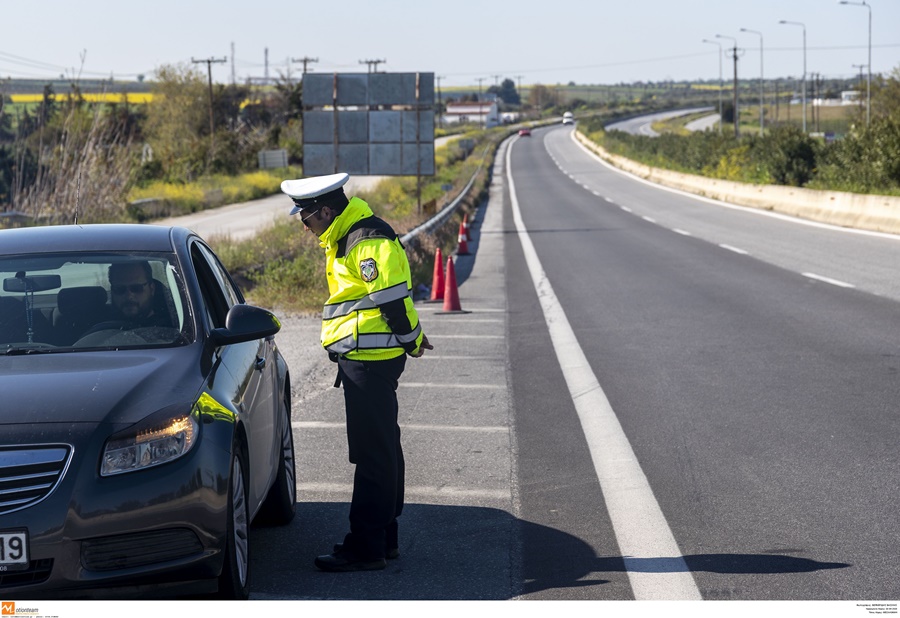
column 761, row 81
column 373, row 64
column 777, row 91
column 232, row 65
column 440, row 108
column 859, row 83
column 869, row 80
column 802, row 25
column 734, row 55
column 212, row 130
column 305, row 60
column 480, row 102
column 721, row 85
column 266, row 72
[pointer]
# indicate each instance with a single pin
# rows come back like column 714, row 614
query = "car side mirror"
column 246, row 323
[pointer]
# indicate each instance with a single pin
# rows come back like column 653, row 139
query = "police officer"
column 369, row 326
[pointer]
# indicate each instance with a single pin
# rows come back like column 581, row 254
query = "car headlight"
column 149, row 446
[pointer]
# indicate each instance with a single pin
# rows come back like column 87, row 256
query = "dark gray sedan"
column 144, row 417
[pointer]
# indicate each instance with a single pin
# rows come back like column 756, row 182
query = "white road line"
column 680, row 231
column 432, row 356
column 448, row 428
column 610, row 200
column 650, row 219
column 462, row 318
column 626, row 208
column 836, row 282
column 735, row 249
column 422, row 308
column 641, row 528
column 430, row 336
column 421, row 491
column 448, row 385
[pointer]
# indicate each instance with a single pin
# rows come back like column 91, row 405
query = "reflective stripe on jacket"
column 370, row 313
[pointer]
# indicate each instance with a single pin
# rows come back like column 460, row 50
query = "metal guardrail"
column 441, row 217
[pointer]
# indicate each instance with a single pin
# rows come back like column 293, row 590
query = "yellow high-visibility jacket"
column 370, row 313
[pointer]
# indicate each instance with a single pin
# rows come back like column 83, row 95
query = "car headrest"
column 83, row 299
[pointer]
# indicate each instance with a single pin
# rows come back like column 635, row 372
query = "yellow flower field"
column 92, row 97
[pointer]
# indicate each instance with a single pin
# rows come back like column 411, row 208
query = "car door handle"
column 260, row 363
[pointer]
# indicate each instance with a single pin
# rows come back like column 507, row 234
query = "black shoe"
column 391, row 553
column 342, row 562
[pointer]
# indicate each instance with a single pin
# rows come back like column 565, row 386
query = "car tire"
column 278, row 507
column 234, row 581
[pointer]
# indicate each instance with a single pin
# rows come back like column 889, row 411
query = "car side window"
column 232, row 294
column 213, row 299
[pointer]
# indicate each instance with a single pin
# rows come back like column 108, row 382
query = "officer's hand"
column 425, row 346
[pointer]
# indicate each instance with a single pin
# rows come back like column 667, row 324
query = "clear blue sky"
column 585, row 41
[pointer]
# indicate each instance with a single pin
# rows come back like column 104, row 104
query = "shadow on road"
column 464, row 553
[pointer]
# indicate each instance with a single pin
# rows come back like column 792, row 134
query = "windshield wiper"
column 11, row 351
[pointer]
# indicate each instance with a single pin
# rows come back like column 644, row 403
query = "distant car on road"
column 525, row 132
column 145, row 419
column 568, row 118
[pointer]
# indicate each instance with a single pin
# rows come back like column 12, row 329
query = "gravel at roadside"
column 312, row 374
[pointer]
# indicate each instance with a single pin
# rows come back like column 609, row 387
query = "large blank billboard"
column 370, row 124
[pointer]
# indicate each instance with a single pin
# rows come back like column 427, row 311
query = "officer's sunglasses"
column 303, row 219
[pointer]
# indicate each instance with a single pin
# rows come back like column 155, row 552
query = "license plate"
column 13, row 550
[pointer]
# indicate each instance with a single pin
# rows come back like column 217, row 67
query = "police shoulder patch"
column 368, row 269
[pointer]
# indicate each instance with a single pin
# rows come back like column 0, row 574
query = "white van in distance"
column 568, row 118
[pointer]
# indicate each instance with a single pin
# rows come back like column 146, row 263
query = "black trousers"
column 373, row 435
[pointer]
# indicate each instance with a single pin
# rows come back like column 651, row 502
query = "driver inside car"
column 133, row 290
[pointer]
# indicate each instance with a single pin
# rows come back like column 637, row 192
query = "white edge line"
column 680, row 231
column 640, row 527
column 837, row 282
column 735, row 249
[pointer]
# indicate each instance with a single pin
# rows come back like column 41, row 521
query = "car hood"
column 120, row 386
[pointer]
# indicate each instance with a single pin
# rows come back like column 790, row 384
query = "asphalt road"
column 651, row 397
column 643, row 125
column 759, row 401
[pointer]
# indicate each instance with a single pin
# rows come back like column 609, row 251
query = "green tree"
column 789, row 155
column 507, row 92
column 6, row 132
column 177, row 120
column 48, row 105
column 886, row 96
column 541, row 97
column 289, row 98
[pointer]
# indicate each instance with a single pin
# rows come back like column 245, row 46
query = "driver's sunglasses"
column 134, row 288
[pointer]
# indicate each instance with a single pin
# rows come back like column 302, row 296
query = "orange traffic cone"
column 451, row 294
column 437, row 280
column 465, row 224
column 463, row 248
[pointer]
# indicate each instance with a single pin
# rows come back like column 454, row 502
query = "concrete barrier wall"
column 869, row 212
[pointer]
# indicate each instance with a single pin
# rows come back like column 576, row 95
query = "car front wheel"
column 278, row 508
column 234, row 582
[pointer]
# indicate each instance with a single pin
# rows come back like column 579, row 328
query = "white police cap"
column 308, row 192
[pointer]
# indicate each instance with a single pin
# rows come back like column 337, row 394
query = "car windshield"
column 89, row 301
